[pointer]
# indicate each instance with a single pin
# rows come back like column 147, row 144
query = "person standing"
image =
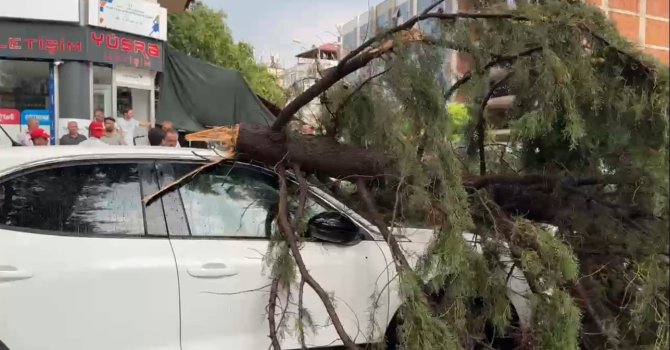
column 167, row 126
column 96, row 130
column 99, row 116
column 39, row 137
column 24, row 137
column 128, row 125
column 171, row 138
column 112, row 137
column 73, row 136
column 156, row 137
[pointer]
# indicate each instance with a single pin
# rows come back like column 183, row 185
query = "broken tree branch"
column 301, row 313
column 648, row 70
column 358, row 88
column 359, row 57
column 272, row 307
column 398, row 255
column 582, row 298
column 335, row 74
column 292, row 241
column 405, row 26
column 302, row 197
column 181, row 181
column 481, row 123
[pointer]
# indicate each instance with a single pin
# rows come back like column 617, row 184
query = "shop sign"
column 54, row 10
column 123, row 49
column 10, row 116
column 42, row 115
column 139, row 17
column 135, row 78
column 41, row 40
column 66, row 42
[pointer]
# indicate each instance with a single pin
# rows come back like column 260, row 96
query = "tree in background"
column 202, row 32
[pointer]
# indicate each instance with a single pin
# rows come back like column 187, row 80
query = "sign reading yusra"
column 52, row 41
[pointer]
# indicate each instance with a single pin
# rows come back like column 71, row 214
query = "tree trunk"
column 312, row 153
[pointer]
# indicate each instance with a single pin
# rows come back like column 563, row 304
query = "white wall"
column 141, row 104
column 46, row 10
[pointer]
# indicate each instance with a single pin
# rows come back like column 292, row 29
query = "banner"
column 141, row 18
column 10, row 119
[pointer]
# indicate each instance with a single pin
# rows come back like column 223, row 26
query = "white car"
column 85, row 265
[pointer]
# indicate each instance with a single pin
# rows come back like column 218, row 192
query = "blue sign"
column 42, row 115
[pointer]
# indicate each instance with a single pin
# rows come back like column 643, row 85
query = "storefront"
column 57, row 72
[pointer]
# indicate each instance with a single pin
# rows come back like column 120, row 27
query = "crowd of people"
column 103, row 131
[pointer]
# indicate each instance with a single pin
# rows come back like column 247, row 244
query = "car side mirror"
column 333, row 227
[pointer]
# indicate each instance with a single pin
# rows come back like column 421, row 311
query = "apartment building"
column 387, row 14
column 304, row 74
column 643, row 22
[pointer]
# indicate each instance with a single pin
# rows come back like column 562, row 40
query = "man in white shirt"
column 24, row 137
column 128, row 125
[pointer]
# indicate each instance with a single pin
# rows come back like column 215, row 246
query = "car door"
column 223, row 268
column 83, row 264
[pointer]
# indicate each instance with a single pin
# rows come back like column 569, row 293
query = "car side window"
column 235, row 200
column 228, row 201
column 83, row 199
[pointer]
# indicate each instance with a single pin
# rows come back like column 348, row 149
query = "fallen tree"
column 589, row 143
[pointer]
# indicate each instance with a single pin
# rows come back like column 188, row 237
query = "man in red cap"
column 39, row 137
column 96, row 130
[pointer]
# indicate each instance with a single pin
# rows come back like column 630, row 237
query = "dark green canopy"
column 195, row 94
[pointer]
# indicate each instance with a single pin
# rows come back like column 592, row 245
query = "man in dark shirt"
column 73, row 136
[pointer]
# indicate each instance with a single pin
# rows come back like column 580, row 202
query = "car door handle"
column 212, row 270
column 11, row 273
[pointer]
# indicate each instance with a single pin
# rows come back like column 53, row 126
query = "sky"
column 271, row 26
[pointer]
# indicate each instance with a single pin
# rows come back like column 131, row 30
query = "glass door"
column 102, row 99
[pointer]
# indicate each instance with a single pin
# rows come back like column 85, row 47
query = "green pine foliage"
column 588, row 105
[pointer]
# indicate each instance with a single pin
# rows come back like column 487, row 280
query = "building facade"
column 387, row 14
column 61, row 60
column 643, row 22
column 304, row 74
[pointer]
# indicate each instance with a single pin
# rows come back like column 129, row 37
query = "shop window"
column 102, row 89
column 24, row 94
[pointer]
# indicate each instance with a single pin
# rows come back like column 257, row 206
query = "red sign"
column 114, row 42
column 106, row 46
column 68, row 42
column 52, row 46
column 10, row 117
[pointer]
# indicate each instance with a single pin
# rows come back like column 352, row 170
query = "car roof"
column 16, row 158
